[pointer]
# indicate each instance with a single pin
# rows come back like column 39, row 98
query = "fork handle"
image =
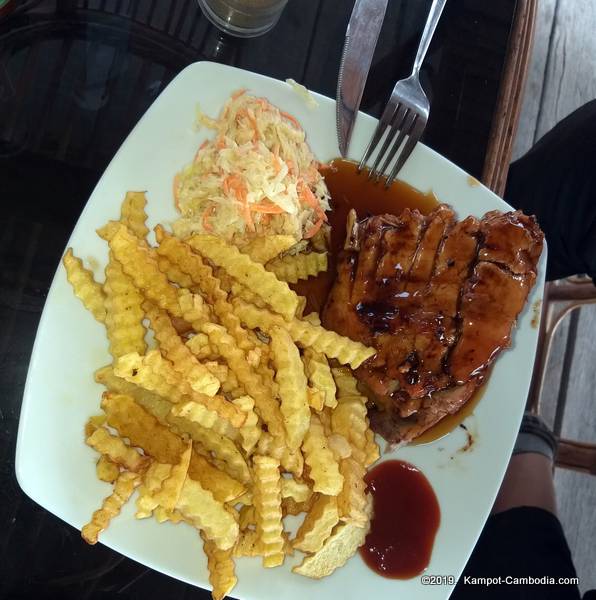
column 427, row 35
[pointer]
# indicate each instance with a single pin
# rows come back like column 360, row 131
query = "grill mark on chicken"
column 367, row 262
column 437, row 328
column 440, row 221
column 399, row 245
column 438, row 304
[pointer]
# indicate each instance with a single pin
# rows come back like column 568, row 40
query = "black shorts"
column 523, row 542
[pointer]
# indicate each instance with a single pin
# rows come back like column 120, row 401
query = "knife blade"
column 359, row 46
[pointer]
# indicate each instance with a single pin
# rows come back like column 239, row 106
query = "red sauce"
column 405, row 522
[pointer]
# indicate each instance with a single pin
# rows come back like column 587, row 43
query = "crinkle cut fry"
column 143, row 430
column 324, row 468
column 223, row 487
column 85, row 288
column 262, row 249
column 267, row 502
column 102, row 441
column 174, row 349
column 349, row 419
column 300, row 266
column 292, row 461
column 156, row 374
column 320, row 376
column 133, row 215
column 106, row 469
column 250, row 432
column 220, row 564
column 266, row 406
column 181, row 255
column 193, row 308
column 124, row 313
column 207, row 514
column 140, row 263
column 223, row 448
column 153, row 480
column 306, row 335
column 197, row 413
column 276, row 293
column 160, row 409
column 156, row 405
column 199, row 345
column 346, row 383
column 111, row 507
column 336, row 550
column 292, row 385
column 174, row 273
column 317, row 525
column 352, row 500
column 247, row 544
column 238, row 290
column 168, row 495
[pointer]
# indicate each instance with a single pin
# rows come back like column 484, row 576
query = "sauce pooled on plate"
column 405, row 522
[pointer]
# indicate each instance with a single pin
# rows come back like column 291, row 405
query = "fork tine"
column 378, row 134
column 415, row 134
column 396, row 124
column 384, row 121
column 405, row 130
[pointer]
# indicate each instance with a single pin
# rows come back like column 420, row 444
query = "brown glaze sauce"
column 405, row 522
column 450, row 422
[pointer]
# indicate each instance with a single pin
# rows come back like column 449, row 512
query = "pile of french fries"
column 229, row 416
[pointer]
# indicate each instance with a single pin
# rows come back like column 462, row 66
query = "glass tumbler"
column 243, row 18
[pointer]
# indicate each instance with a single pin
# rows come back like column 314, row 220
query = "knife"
column 361, row 39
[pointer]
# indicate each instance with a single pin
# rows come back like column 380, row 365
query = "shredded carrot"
column 312, row 230
column 235, row 183
column 203, row 145
column 220, row 143
column 290, row 118
column 208, row 212
column 264, row 104
column 238, row 93
column 310, row 199
column 267, row 207
column 243, row 112
column 290, row 166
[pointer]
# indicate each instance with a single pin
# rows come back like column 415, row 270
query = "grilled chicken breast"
column 438, row 299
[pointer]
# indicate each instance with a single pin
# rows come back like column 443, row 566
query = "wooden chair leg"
column 575, row 455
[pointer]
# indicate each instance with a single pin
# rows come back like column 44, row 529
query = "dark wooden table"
column 75, row 76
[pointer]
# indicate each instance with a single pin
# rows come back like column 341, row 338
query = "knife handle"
column 427, row 35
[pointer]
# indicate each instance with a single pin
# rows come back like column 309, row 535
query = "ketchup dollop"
column 405, row 522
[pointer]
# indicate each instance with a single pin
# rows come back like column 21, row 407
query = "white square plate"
column 56, row 469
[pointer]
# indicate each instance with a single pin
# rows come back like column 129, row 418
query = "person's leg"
column 528, row 482
column 523, row 537
column 529, row 477
column 556, row 181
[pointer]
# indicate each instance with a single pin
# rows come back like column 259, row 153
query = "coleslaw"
column 257, row 176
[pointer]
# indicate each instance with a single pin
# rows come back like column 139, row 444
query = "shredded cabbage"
column 257, row 176
column 303, row 93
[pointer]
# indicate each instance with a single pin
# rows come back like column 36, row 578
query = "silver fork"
column 406, row 113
